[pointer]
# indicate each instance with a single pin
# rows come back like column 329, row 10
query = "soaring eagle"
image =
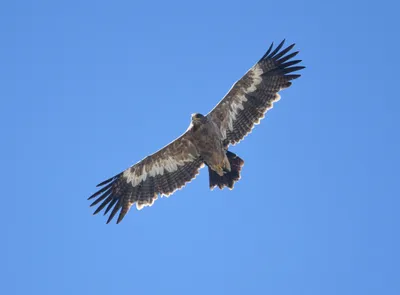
column 205, row 142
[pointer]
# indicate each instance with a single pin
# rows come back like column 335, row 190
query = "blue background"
column 90, row 87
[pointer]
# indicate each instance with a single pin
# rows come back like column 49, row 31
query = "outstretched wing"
column 254, row 94
column 161, row 173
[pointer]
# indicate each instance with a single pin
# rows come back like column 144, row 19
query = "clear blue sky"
column 90, row 87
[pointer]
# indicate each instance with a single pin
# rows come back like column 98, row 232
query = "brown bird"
column 205, row 142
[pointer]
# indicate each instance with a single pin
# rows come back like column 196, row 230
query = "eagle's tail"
column 229, row 178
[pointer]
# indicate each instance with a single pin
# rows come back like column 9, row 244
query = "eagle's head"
column 198, row 119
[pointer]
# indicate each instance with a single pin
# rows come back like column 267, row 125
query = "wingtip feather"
column 272, row 54
column 108, row 180
column 267, row 53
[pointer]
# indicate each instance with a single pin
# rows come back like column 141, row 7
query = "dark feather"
column 290, row 63
column 100, row 191
column 105, row 202
column 283, row 52
column 108, row 180
column 112, row 203
column 102, row 197
column 277, row 49
column 117, row 207
column 292, row 77
column 287, row 57
column 268, row 51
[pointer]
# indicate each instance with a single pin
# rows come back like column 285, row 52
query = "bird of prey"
column 205, row 142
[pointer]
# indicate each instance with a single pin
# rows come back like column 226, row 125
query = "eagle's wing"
column 250, row 97
column 161, row 173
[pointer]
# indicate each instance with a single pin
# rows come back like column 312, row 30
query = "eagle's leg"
column 227, row 165
column 218, row 169
column 222, row 167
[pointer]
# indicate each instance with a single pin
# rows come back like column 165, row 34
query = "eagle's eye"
column 198, row 116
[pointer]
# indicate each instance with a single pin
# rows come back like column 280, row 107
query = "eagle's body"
column 208, row 139
column 205, row 142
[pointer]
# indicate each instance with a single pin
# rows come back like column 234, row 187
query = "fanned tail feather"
column 229, row 178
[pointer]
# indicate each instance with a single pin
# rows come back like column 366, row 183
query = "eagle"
column 205, row 142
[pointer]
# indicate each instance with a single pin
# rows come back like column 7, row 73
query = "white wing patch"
column 157, row 168
column 277, row 98
column 237, row 104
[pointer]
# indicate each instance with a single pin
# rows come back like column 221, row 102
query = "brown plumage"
column 205, row 142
